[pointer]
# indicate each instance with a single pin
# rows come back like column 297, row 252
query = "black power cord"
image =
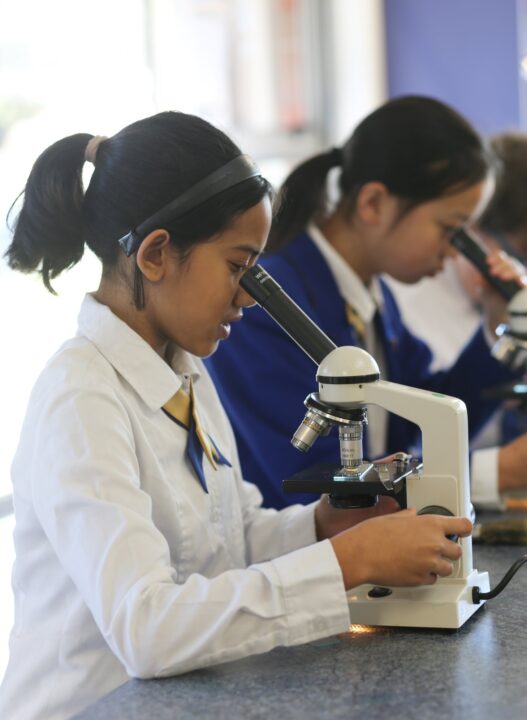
column 478, row 596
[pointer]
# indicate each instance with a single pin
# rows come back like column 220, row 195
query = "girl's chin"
column 416, row 277
column 206, row 349
column 409, row 279
column 203, row 347
column 433, row 273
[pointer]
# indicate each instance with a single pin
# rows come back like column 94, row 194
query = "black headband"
column 234, row 172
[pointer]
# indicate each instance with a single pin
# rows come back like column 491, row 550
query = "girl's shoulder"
column 76, row 367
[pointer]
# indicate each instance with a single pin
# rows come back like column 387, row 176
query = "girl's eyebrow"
column 459, row 216
column 248, row 248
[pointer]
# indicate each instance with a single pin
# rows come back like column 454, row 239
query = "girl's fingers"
column 452, row 550
column 443, row 568
column 507, row 268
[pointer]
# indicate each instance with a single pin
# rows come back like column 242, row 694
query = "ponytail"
column 138, row 171
column 302, row 197
column 48, row 232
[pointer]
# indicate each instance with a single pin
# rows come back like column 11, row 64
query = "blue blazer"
column 262, row 376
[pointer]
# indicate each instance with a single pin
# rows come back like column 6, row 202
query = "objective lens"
column 350, row 437
column 309, row 429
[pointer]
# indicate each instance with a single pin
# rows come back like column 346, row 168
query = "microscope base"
column 447, row 604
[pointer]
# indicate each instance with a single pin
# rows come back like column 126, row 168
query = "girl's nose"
column 242, row 298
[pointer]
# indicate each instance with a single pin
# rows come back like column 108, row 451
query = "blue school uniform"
column 263, row 376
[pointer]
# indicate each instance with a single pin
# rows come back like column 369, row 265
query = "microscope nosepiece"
column 510, row 348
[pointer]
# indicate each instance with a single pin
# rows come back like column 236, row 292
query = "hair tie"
column 335, row 156
column 91, row 148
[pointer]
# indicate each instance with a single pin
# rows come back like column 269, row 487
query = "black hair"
column 418, row 147
column 506, row 213
column 137, row 172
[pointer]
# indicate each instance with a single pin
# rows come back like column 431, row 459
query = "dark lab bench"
column 474, row 673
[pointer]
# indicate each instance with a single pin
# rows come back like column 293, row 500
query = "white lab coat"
column 124, row 565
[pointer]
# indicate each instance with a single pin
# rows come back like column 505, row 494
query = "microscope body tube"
column 468, row 245
column 268, row 293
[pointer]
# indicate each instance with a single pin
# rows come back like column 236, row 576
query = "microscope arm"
column 444, row 428
column 348, row 378
column 443, row 423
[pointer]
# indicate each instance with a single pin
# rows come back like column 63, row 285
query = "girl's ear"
column 153, row 255
column 373, row 201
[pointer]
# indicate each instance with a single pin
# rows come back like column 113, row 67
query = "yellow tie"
column 357, row 322
column 179, row 407
column 182, row 408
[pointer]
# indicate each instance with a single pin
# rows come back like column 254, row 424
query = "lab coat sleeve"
column 270, row 533
column 87, row 495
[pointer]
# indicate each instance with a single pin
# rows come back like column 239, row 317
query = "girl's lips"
column 225, row 327
column 225, row 331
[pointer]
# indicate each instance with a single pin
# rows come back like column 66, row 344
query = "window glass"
column 68, row 66
column 61, row 72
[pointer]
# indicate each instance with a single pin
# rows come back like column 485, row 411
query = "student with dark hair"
column 456, row 294
column 140, row 550
column 504, row 219
column 412, row 172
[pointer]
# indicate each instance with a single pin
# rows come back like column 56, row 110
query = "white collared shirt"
column 365, row 303
column 124, row 565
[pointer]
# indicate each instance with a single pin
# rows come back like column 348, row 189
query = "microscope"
column 348, row 381
column 511, row 346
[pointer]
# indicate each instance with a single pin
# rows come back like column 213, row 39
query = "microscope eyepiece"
column 511, row 346
column 275, row 301
column 469, row 245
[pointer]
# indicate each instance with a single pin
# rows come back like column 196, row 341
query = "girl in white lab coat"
column 140, row 550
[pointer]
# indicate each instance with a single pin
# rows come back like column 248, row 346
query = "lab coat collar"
column 154, row 379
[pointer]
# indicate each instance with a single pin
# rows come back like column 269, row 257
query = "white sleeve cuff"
column 484, row 474
column 314, row 593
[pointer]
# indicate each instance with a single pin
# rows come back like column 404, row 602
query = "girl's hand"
column 505, row 268
column 399, row 549
column 330, row 521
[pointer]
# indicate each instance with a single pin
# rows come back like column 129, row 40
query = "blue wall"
column 464, row 52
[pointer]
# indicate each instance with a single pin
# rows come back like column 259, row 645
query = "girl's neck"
column 351, row 244
column 118, row 298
